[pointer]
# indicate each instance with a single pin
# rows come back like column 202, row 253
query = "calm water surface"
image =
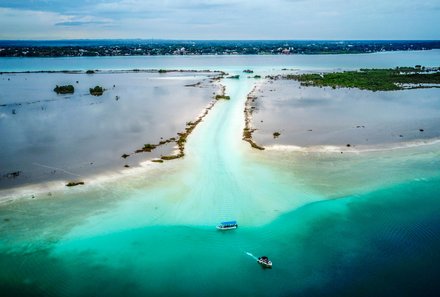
column 333, row 224
column 49, row 136
column 312, row 116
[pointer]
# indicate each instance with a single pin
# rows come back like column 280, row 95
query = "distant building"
column 180, row 51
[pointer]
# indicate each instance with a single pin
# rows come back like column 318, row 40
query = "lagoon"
column 313, row 117
column 71, row 136
column 358, row 223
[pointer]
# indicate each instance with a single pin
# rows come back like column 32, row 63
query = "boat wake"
column 252, row 256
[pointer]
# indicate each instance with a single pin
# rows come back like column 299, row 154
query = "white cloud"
column 31, row 24
column 227, row 19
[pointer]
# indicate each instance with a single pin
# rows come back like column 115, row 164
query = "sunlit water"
column 333, row 224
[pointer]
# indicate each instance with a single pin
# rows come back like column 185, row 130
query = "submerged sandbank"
column 63, row 137
column 236, row 159
column 353, row 149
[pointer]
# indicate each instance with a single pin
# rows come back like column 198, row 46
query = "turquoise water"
column 352, row 225
column 375, row 244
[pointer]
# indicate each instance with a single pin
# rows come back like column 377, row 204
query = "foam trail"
column 252, row 256
column 56, row 168
column 68, row 172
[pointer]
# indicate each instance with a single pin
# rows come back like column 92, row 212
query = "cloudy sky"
column 220, row 19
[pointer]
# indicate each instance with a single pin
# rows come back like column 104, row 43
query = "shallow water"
column 333, row 224
column 375, row 244
column 313, row 116
column 62, row 137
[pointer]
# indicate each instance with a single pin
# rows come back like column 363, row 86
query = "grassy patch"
column 218, row 97
column 96, row 91
column 73, row 183
column 372, row 79
column 68, row 89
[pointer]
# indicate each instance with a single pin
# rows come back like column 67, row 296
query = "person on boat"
column 264, row 259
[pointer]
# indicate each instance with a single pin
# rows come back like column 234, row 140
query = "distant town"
column 77, row 48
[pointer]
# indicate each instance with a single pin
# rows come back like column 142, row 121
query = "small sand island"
column 248, row 111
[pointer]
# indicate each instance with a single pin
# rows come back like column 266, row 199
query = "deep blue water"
column 382, row 243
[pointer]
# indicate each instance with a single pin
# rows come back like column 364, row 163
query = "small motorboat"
column 227, row 225
column 264, row 262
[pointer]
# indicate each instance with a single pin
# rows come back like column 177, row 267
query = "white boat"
column 265, row 262
column 227, row 225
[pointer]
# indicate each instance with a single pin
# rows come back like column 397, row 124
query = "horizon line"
column 171, row 39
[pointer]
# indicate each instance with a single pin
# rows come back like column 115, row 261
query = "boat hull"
column 226, row 228
column 265, row 264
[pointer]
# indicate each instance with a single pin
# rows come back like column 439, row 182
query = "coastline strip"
column 182, row 136
column 248, row 110
column 358, row 149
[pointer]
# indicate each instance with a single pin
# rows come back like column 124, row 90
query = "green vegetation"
column 90, row 71
column 218, row 97
column 148, row 147
column 373, row 79
column 69, row 89
column 96, row 91
column 172, row 157
column 247, row 133
column 234, row 76
column 257, row 76
column 180, row 140
column 162, row 71
column 73, row 183
column 248, row 71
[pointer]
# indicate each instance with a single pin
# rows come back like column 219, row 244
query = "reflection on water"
column 153, row 234
column 49, row 136
column 309, row 116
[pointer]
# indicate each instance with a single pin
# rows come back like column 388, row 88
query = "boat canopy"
column 228, row 223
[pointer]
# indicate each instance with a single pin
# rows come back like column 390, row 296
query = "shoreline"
column 248, row 130
column 59, row 186
column 47, row 188
column 180, row 141
column 339, row 149
column 107, row 71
